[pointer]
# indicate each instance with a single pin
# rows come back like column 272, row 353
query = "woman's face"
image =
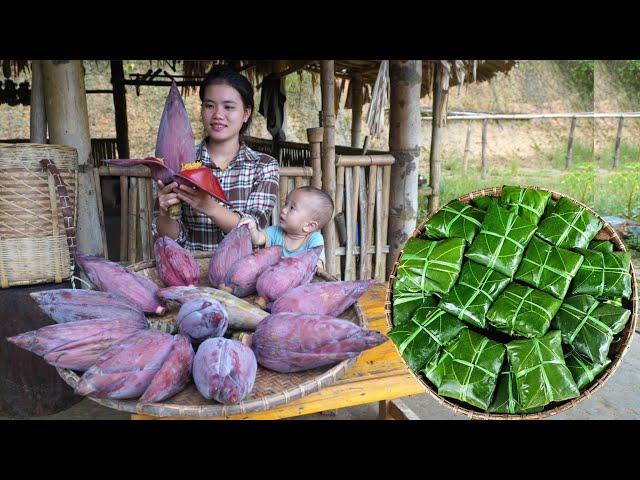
column 223, row 113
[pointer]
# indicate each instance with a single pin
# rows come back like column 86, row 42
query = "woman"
column 248, row 178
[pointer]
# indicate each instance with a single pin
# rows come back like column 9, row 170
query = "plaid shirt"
column 250, row 183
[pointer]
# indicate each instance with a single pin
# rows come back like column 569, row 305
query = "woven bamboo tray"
column 616, row 352
column 32, row 227
column 271, row 388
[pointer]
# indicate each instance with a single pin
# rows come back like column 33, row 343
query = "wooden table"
column 379, row 375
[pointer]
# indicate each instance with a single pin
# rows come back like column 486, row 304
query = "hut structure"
column 405, row 82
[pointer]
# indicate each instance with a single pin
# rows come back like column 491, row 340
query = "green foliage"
column 580, row 182
column 628, row 72
column 626, row 181
column 581, row 74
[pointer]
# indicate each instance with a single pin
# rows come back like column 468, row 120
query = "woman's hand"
column 197, row 198
column 166, row 197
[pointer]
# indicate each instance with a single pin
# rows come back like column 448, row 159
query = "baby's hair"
column 323, row 209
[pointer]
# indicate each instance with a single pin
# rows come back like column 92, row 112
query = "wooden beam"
column 68, row 121
column 37, row 114
column 484, row 149
column 467, row 145
column 404, row 144
column 329, row 157
column 120, row 105
column 439, row 101
column 616, row 152
column 314, row 136
column 356, row 110
column 572, row 132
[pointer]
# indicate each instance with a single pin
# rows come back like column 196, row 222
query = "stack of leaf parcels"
column 509, row 304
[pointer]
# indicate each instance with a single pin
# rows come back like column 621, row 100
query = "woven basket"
column 616, row 352
column 33, row 240
column 270, row 389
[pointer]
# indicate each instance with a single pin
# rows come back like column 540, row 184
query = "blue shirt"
column 275, row 236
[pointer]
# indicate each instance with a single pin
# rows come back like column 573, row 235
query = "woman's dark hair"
column 226, row 76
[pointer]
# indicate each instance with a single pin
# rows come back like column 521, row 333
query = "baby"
column 305, row 212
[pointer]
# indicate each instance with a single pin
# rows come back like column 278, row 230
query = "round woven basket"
column 617, row 350
column 270, row 389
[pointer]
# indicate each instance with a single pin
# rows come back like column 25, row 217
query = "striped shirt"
column 250, row 183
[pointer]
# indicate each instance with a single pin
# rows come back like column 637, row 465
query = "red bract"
column 242, row 276
column 175, row 265
column 234, row 246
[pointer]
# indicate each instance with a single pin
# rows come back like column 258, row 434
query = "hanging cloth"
column 272, row 102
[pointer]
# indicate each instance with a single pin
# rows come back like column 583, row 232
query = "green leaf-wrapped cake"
column 604, row 274
column 583, row 371
column 526, row 202
column 405, row 305
column 501, row 241
column 472, row 296
column 569, row 226
column 455, row 220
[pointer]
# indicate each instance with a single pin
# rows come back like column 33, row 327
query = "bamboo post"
column 132, row 215
column 356, row 110
column 364, row 238
column 353, row 225
column 371, row 205
column 386, row 201
column 103, row 228
column 348, row 207
column 616, row 153
column 151, row 206
column 484, row 148
column 404, row 144
column 570, row 145
column 143, row 218
column 124, row 217
column 328, row 157
column 68, row 122
column 314, row 135
column 467, row 147
column 37, row 115
column 120, row 107
column 439, row 99
column 380, row 260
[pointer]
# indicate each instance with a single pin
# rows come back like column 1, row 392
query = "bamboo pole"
column 348, row 207
column 120, row 107
column 151, row 205
column 124, row 217
column 143, row 218
column 328, row 157
column 570, row 145
column 353, row 226
column 404, row 144
column 484, row 149
column 380, row 242
column 616, row 153
column 103, row 228
column 439, row 100
column 37, row 114
column 132, row 215
column 467, row 147
column 386, row 201
column 314, row 135
column 116, row 171
column 364, row 237
column 296, row 171
column 356, row 110
column 364, row 160
column 371, row 205
column 68, row 122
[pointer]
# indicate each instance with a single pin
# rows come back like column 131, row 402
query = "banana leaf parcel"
column 501, row 241
column 541, row 374
column 548, row 210
column 404, row 306
column 526, row 202
column 484, row 202
column 419, row 339
column 472, row 296
column 434, row 371
column 429, row 266
column 569, row 226
column 601, row 246
column 604, row 274
column 589, row 326
column 523, row 311
column 471, row 373
column 455, row 220
column 548, row 268
column 506, row 398
column 583, row 372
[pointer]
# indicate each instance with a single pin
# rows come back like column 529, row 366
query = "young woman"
column 248, row 178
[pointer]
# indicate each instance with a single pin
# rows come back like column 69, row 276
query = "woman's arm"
column 204, row 203
column 166, row 198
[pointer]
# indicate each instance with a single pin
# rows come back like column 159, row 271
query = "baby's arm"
column 258, row 237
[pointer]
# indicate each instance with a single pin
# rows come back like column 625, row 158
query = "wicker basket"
column 617, row 350
column 270, row 390
column 32, row 227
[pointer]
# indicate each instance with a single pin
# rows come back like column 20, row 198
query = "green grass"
column 629, row 154
column 557, row 158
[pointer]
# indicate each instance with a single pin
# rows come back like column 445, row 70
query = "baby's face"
column 296, row 212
